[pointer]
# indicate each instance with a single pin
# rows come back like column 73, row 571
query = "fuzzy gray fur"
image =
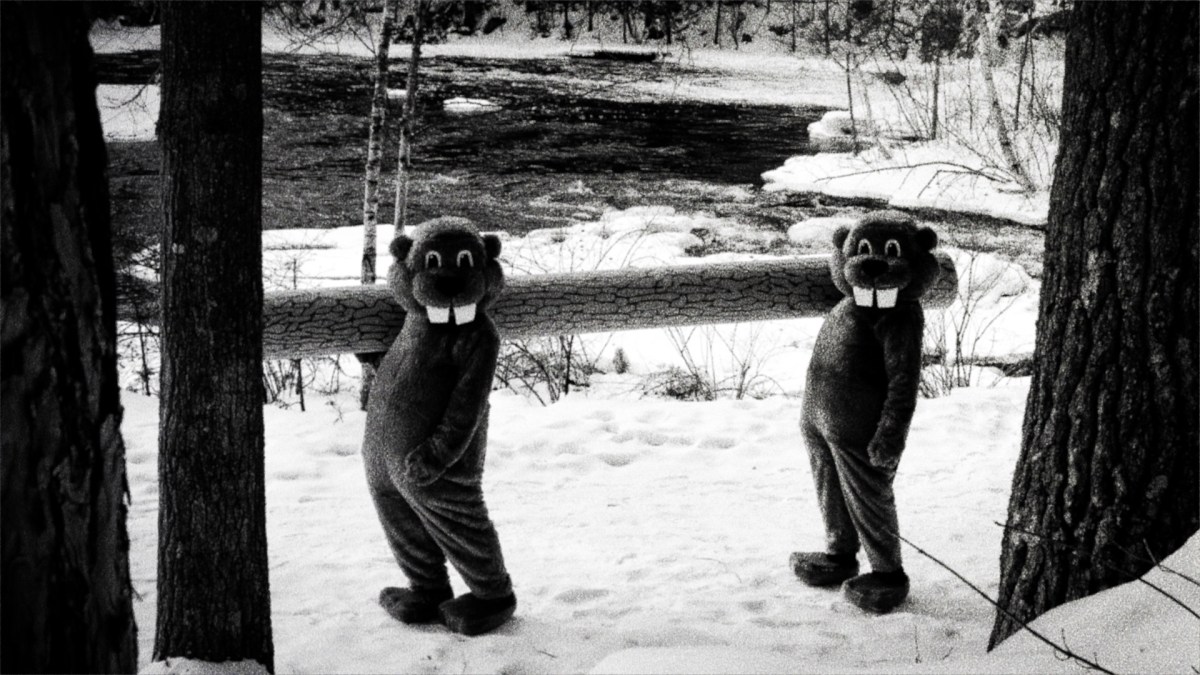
column 862, row 384
column 426, row 432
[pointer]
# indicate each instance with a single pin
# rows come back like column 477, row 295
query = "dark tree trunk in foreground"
column 214, row 597
column 1107, row 479
column 67, row 597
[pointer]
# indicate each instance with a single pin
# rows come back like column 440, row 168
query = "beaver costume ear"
column 491, row 245
column 837, row 261
column 926, row 238
column 399, row 276
column 839, row 236
column 400, row 247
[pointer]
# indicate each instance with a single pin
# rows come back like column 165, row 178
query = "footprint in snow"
column 616, row 458
column 575, row 596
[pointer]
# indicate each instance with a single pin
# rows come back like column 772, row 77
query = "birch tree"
column 987, row 51
column 376, row 135
column 408, row 119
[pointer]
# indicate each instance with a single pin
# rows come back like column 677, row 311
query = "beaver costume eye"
column 864, row 247
column 433, row 259
column 465, row 259
column 892, row 248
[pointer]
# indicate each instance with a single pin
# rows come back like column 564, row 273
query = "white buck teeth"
column 464, row 314
column 883, row 298
column 864, row 297
column 438, row 314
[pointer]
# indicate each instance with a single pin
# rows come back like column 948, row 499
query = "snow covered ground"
column 651, row 535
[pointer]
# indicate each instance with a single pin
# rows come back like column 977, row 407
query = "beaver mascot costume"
column 859, row 401
column 426, row 431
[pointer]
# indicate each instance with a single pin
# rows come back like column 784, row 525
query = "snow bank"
column 922, row 175
column 836, row 132
column 128, row 112
column 1127, row 629
column 461, row 105
column 182, row 666
column 818, row 232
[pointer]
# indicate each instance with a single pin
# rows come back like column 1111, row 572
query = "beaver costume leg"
column 858, row 507
column 419, row 557
column 838, row 563
column 456, row 517
column 871, row 505
column 447, row 520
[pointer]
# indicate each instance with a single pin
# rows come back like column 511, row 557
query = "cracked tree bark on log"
column 358, row 318
column 1106, row 482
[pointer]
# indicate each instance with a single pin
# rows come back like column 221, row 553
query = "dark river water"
column 561, row 146
column 558, row 125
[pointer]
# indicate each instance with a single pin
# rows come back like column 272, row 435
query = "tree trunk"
column 717, row 27
column 937, row 86
column 356, row 318
column 568, row 29
column 795, row 26
column 1026, row 47
column 1107, row 478
column 67, row 595
column 407, row 120
column 828, row 48
column 214, row 598
column 850, row 99
column 375, row 137
column 1015, row 166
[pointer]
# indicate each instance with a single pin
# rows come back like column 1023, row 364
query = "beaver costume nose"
column 449, row 286
column 873, row 267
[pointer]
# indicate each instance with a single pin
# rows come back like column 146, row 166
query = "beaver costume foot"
column 414, row 606
column 824, row 569
column 470, row 615
column 877, row 592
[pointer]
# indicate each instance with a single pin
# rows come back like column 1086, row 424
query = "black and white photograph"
column 600, row 336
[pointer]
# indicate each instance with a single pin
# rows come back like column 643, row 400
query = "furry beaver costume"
column 859, row 401
column 426, row 432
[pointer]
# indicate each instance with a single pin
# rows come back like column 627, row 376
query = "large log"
column 363, row 319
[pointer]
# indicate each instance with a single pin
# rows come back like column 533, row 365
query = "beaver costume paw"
column 877, row 592
column 824, row 569
column 407, row 605
column 422, row 468
column 470, row 615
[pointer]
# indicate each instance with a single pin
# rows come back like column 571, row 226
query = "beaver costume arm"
column 466, row 407
column 899, row 333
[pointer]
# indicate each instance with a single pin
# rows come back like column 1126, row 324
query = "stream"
column 561, row 144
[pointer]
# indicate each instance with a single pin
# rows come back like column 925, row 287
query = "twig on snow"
column 1057, row 648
